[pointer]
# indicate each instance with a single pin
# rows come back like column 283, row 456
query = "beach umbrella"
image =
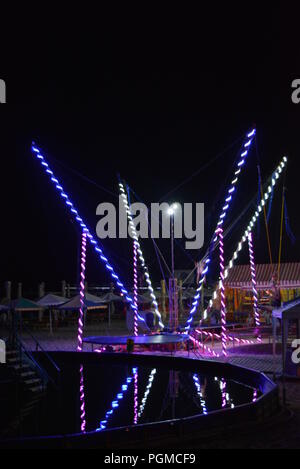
column 23, row 304
column 90, row 302
column 51, row 301
column 20, row 305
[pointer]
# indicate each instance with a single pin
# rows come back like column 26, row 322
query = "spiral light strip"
column 229, row 196
column 254, row 284
column 140, row 254
column 222, row 288
column 135, row 289
column 115, row 403
column 147, row 392
column 36, row 151
column 82, row 400
column 81, row 292
column 274, row 178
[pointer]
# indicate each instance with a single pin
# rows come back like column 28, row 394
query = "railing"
column 39, row 347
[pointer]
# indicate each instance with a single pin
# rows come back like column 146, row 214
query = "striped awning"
column 240, row 276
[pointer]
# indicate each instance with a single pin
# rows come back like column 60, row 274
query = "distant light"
column 172, row 209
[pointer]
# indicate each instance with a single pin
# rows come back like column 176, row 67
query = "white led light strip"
column 140, row 254
column 251, row 225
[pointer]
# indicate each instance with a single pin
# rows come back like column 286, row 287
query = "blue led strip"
column 229, row 196
column 115, row 402
column 36, row 151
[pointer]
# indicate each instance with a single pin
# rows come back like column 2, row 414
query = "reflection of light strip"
column 274, row 178
column 82, row 400
column 199, row 392
column 135, row 287
column 223, row 391
column 147, row 391
column 136, row 397
column 223, row 214
column 83, row 226
column 222, row 287
column 115, row 403
column 82, row 292
column 254, row 399
column 140, row 254
column 253, row 278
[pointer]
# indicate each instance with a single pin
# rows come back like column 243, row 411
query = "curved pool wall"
column 171, row 432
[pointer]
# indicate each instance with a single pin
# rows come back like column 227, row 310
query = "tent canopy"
column 240, row 276
column 90, row 302
column 109, row 297
column 51, row 300
column 23, row 304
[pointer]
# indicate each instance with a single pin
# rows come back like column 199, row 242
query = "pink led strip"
column 213, row 335
column 82, row 400
column 223, row 301
column 135, row 288
column 204, row 347
column 82, row 292
column 136, row 403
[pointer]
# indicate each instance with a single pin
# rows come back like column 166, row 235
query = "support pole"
column 82, row 292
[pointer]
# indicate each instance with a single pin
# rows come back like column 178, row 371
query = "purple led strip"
column 82, row 400
column 223, row 300
column 228, row 199
column 82, row 292
column 135, row 288
column 136, row 397
column 83, row 226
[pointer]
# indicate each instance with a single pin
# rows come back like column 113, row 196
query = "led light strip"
column 230, row 338
column 223, row 385
column 140, row 254
column 147, row 391
column 227, row 203
column 82, row 400
column 222, row 287
column 135, row 397
column 199, row 392
column 204, row 347
column 82, row 292
column 135, row 289
column 83, row 226
column 266, row 195
column 115, row 403
column 253, row 278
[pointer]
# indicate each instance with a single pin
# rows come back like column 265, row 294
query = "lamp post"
column 171, row 211
column 173, row 306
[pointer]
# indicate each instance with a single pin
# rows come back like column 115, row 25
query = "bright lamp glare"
column 172, row 209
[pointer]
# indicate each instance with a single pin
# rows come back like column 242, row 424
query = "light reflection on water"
column 141, row 395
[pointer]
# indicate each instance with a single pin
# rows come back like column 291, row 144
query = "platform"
column 156, row 339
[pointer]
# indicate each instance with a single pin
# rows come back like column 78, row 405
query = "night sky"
column 156, row 126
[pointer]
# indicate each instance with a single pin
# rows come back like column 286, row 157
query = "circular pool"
column 128, row 400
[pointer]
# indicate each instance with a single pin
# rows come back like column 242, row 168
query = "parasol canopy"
column 90, row 302
column 51, row 300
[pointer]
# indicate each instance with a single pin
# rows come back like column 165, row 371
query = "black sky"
column 156, row 126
